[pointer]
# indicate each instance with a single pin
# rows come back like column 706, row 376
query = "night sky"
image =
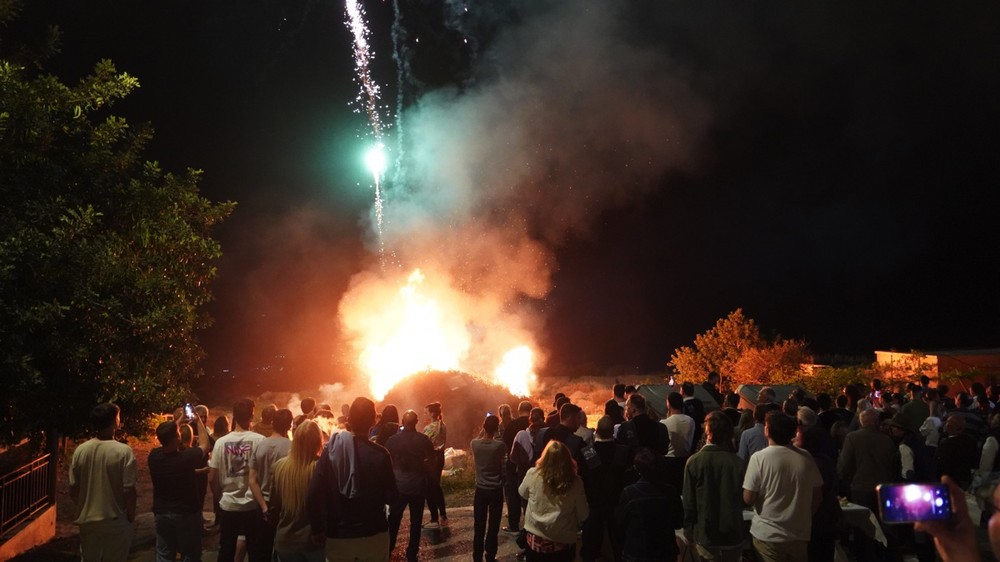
column 831, row 168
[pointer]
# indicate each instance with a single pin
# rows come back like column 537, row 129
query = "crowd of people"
column 318, row 486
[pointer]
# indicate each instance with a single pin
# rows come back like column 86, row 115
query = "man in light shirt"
column 680, row 430
column 229, row 476
column 102, row 478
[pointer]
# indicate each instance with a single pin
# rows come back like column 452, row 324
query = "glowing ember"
column 420, row 328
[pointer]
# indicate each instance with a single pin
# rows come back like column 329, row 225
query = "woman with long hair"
column 288, row 497
column 438, row 434
column 506, row 416
column 387, row 425
column 557, row 506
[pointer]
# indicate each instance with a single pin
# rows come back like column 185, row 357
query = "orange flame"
column 410, row 331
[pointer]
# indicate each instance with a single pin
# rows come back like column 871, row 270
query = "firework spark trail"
column 370, row 92
column 369, row 98
column 401, row 58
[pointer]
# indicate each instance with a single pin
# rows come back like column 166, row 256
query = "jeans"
column 247, row 523
column 435, row 495
column 513, row 498
column 487, row 505
column 178, row 532
column 416, row 505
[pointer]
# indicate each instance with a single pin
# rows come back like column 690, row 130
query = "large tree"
column 735, row 349
column 105, row 259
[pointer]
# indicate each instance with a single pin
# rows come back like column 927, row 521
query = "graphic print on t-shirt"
column 238, row 457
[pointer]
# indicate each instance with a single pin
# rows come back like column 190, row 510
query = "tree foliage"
column 735, row 349
column 105, row 259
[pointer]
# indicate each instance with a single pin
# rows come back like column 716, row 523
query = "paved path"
column 451, row 543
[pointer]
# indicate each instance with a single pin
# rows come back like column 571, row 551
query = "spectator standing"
column 176, row 500
column 349, row 490
column 411, row 453
column 649, row 511
column 556, row 506
column 754, row 439
column 695, row 409
column 916, row 409
column 565, row 432
column 438, row 433
column 681, row 432
column 713, row 494
column 602, row 487
column 825, row 521
column 292, row 542
column 618, row 394
column 582, row 431
column 869, row 457
column 489, row 455
column 640, row 430
column 506, row 416
column 229, row 476
column 387, row 426
column 785, row 488
column 513, row 479
column 265, row 426
column 711, row 386
column 957, row 453
column 102, row 476
column 269, row 451
column 552, row 419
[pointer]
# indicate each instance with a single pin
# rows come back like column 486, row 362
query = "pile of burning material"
column 465, row 401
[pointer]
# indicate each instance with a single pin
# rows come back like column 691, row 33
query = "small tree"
column 774, row 363
column 105, row 260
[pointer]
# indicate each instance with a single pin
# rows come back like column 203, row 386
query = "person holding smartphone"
column 955, row 538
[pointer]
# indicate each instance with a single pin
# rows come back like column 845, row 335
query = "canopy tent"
column 656, row 397
column 748, row 393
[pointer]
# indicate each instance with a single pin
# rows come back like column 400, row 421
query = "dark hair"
column 524, row 406
column 103, row 415
column 568, row 411
column 282, row 420
column 410, row 418
column 790, row 406
column 687, row 388
column 166, row 433
column 675, row 401
column 713, row 375
column 760, row 412
column 389, row 415
column 220, row 426
column 491, row 424
column 780, row 427
column 824, row 401
column 434, row 408
column 243, row 412
column 307, row 405
column 630, row 388
column 612, row 407
column 362, row 415
column 924, row 379
column 648, row 464
column 267, row 414
column 555, row 399
column 618, row 389
column 732, row 400
column 842, row 400
column 931, row 394
column 561, row 401
column 719, row 427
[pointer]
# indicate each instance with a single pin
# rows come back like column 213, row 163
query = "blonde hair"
column 292, row 473
column 187, row 437
column 557, row 469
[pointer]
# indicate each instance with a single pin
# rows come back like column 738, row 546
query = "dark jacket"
column 643, row 431
column 649, row 514
column 411, row 452
column 957, row 456
column 340, row 517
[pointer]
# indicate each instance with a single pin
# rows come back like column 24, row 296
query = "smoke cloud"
column 565, row 116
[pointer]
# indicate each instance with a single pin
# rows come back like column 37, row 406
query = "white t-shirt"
column 102, row 469
column 680, row 428
column 784, row 479
column 231, row 459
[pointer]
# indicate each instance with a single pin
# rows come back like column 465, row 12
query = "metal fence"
column 24, row 492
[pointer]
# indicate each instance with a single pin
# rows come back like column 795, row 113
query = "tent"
column 748, row 393
column 656, row 397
